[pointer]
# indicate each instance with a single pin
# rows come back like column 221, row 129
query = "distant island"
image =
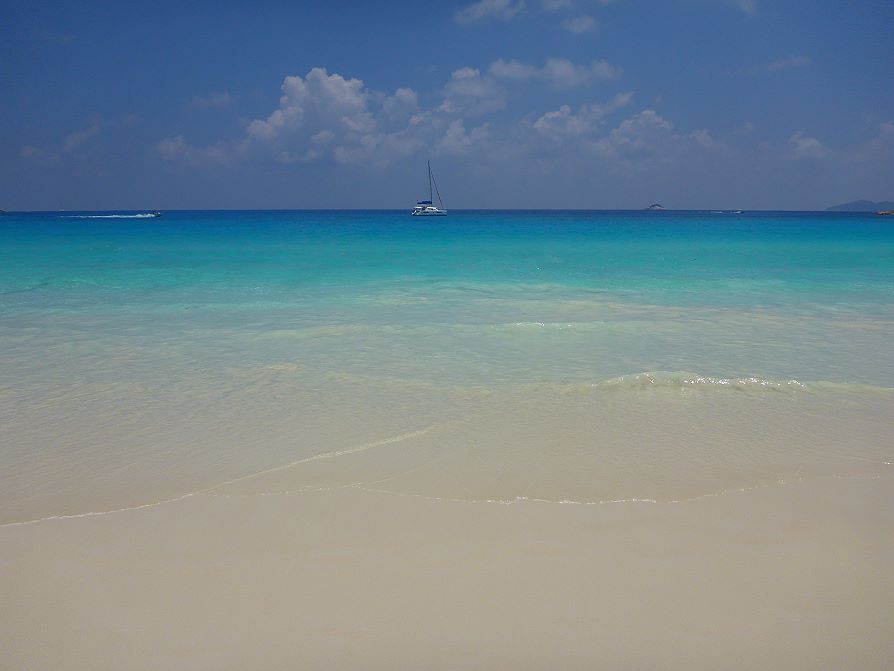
column 862, row 206
column 655, row 206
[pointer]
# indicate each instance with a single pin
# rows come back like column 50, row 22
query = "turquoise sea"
column 145, row 358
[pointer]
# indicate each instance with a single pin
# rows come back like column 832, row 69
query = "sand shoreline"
column 793, row 576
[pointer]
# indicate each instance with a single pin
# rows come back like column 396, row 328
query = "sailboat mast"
column 429, row 181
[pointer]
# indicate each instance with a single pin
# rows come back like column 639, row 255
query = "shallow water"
column 147, row 358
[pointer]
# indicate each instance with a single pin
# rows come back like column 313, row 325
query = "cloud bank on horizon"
column 589, row 113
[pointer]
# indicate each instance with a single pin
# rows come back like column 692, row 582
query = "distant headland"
column 862, row 206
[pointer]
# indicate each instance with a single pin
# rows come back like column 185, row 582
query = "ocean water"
column 526, row 440
column 585, row 356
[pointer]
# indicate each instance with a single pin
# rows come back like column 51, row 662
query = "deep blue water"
column 760, row 258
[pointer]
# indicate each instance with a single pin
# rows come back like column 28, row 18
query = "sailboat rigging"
column 426, row 208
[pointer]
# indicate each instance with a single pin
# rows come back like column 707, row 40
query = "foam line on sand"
column 317, row 457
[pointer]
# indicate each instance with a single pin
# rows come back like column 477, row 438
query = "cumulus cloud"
column 457, row 141
column 72, row 146
column 879, row 148
column 804, row 146
column 483, row 10
column 78, row 138
column 319, row 98
column 211, row 100
column 641, row 143
column 72, row 142
column 563, row 124
column 178, row 149
column 640, row 133
column 324, row 116
column 471, row 94
column 319, row 116
column 556, row 5
column 702, row 138
column 557, row 72
column 38, row 155
column 401, row 106
column 877, row 151
column 787, row 63
column 580, row 24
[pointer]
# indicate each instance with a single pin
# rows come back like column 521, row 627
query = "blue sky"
column 518, row 103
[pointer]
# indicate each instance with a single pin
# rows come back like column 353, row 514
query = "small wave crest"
column 144, row 215
column 686, row 380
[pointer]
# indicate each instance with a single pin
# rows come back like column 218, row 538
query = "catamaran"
column 425, row 208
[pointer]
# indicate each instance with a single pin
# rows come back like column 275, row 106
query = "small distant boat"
column 885, row 213
column 425, row 208
column 655, row 206
column 155, row 214
column 735, row 211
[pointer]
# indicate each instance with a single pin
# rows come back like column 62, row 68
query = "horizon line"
column 402, row 209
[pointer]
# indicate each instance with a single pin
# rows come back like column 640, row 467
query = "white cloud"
column 884, row 139
column 781, row 64
column 470, row 94
column 804, row 146
column 878, row 149
column 322, row 138
column 557, row 72
column 457, row 141
column 556, row 5
column 319, row 116
column 211, row 100
column 379, row 148
column 31, row 153
column 319, row 98
column 330, row 117
column 499, row 10
column 178, row 149
column 640, row 133
column 69, row 148
column 401, row 106
column 788, row 63
column 642, row 143
column 563, row 124
column 580, row 24
column 702, row 138
column 78, row 138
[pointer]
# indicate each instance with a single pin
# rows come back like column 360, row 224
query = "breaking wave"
column 684, row 380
